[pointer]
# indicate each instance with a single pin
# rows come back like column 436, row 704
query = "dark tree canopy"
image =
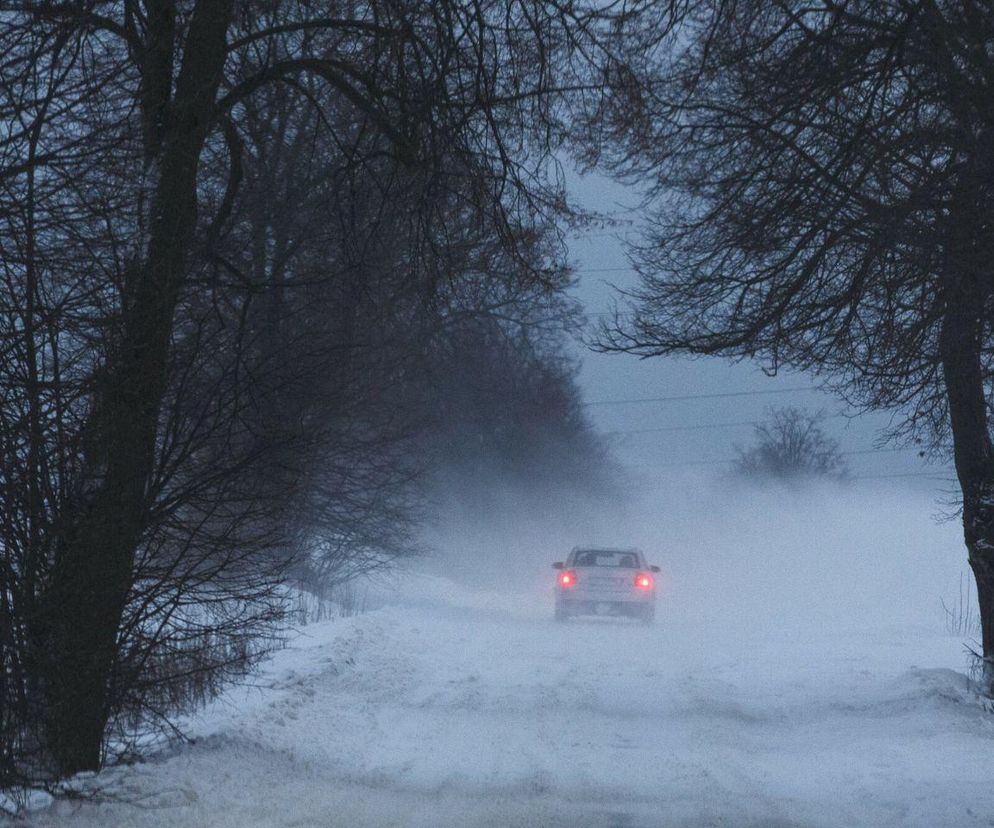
column 810, row 166
column 226, row 226
column 822, row 178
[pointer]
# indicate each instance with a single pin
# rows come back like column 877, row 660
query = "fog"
column 330, row 329
column 800, row 673
column 736, row 559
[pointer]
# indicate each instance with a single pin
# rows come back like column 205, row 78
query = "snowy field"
column 800, row 674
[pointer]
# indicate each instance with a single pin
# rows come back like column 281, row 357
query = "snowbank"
column 800, row 675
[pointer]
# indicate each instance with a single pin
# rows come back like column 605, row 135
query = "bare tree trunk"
column 93, row 575
column 960, row 351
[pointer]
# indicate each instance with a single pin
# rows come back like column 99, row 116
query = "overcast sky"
column 699, row 432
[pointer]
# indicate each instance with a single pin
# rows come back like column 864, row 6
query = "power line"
column 728, row 461
column 928, row 475
column 932, row 475
column 722, row 395
column 701, row 427
column 661, row 429
column 609, row 235
column 880, row 450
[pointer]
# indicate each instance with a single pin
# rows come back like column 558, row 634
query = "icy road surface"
column 484, row 712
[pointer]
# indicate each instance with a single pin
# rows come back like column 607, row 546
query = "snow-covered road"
column 484, row 712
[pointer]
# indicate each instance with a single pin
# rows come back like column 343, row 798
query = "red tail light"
column 567, row 579
column 644, row 581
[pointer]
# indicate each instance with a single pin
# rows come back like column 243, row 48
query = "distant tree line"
column 510, row 416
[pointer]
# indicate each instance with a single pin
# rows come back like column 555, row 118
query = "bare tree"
column 178, row 362
column 823, row 190
column 791, row 445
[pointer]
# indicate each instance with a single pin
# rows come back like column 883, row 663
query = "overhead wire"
column 709, row 396
column 730, row 460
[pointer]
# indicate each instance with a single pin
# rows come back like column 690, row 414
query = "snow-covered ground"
column 776, row 690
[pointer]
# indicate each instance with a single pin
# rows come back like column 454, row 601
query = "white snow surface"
column 775, row 690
